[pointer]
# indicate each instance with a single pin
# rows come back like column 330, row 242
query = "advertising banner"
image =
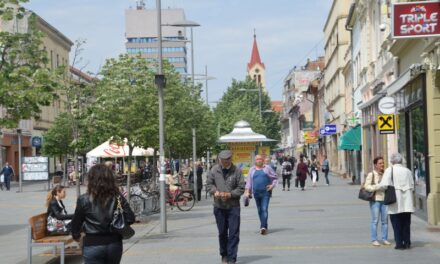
column 35, row 168
column 264, row 151
column 415, row 19
column 242, row 155
column 303, row 78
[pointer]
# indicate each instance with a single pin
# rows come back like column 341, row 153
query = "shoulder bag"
column 390, row 192
column 366, row 195
column 119, row 224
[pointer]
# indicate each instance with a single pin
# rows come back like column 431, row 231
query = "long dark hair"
column 102, row 185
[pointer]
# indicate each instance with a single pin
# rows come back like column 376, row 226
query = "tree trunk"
column 130, row 152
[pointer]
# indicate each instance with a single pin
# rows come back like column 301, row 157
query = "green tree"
column 238, row 104
column 26, row 82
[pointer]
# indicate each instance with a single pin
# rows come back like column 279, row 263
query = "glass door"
column 418, row 149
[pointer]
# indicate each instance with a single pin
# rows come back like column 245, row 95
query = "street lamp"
column 259, row 96
column 160, row 82
column 20, row 186
column 191, row 24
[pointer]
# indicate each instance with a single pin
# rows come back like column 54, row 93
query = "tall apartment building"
column 58, row 47
column 141, row 35
column 337, row 41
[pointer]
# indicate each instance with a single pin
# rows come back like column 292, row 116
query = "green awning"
column 351, row 140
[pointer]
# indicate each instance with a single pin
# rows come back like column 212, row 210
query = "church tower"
column 255, row 68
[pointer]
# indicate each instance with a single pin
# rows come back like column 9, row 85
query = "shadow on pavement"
column 250, row 259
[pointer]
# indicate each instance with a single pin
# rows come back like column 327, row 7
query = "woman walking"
column 314, row 168
column 260, row 181
column 286, row 173
column 377, row 207
column 326, row 169
column 93, row 215
column 301, row 172
column 400, row 212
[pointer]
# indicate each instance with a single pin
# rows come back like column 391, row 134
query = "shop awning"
column 351, row 140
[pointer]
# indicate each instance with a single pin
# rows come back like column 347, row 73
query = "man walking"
column 8, row 173
column 260, row 181
column 226, row 183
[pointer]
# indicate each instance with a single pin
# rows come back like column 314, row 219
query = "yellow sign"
column 264, row 151
column 242, row 155
column 310, row 137
column 386, row 124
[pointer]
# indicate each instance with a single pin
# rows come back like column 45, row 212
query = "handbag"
column 2, row 178
column 390, row 192
column 366, row 195
column 56, row 226
column 119, row 224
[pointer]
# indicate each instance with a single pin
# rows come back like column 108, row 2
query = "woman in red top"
column 301, row 172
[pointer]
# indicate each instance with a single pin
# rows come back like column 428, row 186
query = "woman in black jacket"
column 93, row 215
column 57, row 210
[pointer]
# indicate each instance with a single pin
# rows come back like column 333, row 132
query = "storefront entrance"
column 413, row 138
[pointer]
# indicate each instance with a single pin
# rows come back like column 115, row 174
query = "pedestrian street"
column 326, row 224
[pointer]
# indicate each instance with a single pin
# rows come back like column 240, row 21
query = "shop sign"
column 310, row 137
column 328, row 130
column 415, row 19
column 36, row 142
column 386, row 124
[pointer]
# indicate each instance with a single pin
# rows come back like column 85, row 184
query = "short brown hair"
column 376, row 159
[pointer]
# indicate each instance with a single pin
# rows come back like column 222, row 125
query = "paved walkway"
column 327, row 224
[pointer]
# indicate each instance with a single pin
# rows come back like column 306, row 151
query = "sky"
column 288, row 32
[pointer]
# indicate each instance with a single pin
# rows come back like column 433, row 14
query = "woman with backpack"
column 286, row 173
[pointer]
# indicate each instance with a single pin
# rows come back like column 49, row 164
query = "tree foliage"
column 26, row 82
column 238, row 104
column 126, row 106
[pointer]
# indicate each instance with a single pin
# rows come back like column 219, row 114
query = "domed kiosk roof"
column 243, row 132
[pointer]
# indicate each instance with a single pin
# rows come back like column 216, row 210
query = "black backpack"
column 288, row 167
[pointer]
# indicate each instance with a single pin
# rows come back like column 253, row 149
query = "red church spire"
column 255, row 56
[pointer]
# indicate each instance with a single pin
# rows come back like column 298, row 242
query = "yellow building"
column 58, row 47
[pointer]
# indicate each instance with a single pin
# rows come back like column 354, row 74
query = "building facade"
column 141, row 35
column 337, row 41
column 407, row 71
column 31, row 132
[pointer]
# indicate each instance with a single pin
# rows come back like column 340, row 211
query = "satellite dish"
column 387, row 105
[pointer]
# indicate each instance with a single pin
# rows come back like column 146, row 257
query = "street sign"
column 386, row 124
column 328, row 130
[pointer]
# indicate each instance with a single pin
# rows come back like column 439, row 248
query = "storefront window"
column 418, row 149
column 401, row 129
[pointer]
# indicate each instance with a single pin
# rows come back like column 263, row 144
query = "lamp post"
column 191, row 24
column 259, row 97
column 160, row 82
column 20, row 186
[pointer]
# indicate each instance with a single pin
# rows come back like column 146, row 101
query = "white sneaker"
column 386, row 242
column 376, row 243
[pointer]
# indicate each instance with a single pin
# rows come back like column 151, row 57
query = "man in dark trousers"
column 8, row 173
column 226, row 183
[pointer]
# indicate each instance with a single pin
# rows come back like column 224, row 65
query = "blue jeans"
column 376, row 208
column 228, row 225
column 103, row 254
column 262, row 201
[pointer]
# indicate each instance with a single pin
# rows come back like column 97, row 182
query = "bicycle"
column 183, row 199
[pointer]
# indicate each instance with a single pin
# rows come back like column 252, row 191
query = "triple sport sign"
column 415, row 19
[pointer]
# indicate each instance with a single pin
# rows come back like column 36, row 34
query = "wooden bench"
column 38, row 237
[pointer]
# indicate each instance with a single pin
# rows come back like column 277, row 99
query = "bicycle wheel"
column 185, row 201
column 137, row 204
